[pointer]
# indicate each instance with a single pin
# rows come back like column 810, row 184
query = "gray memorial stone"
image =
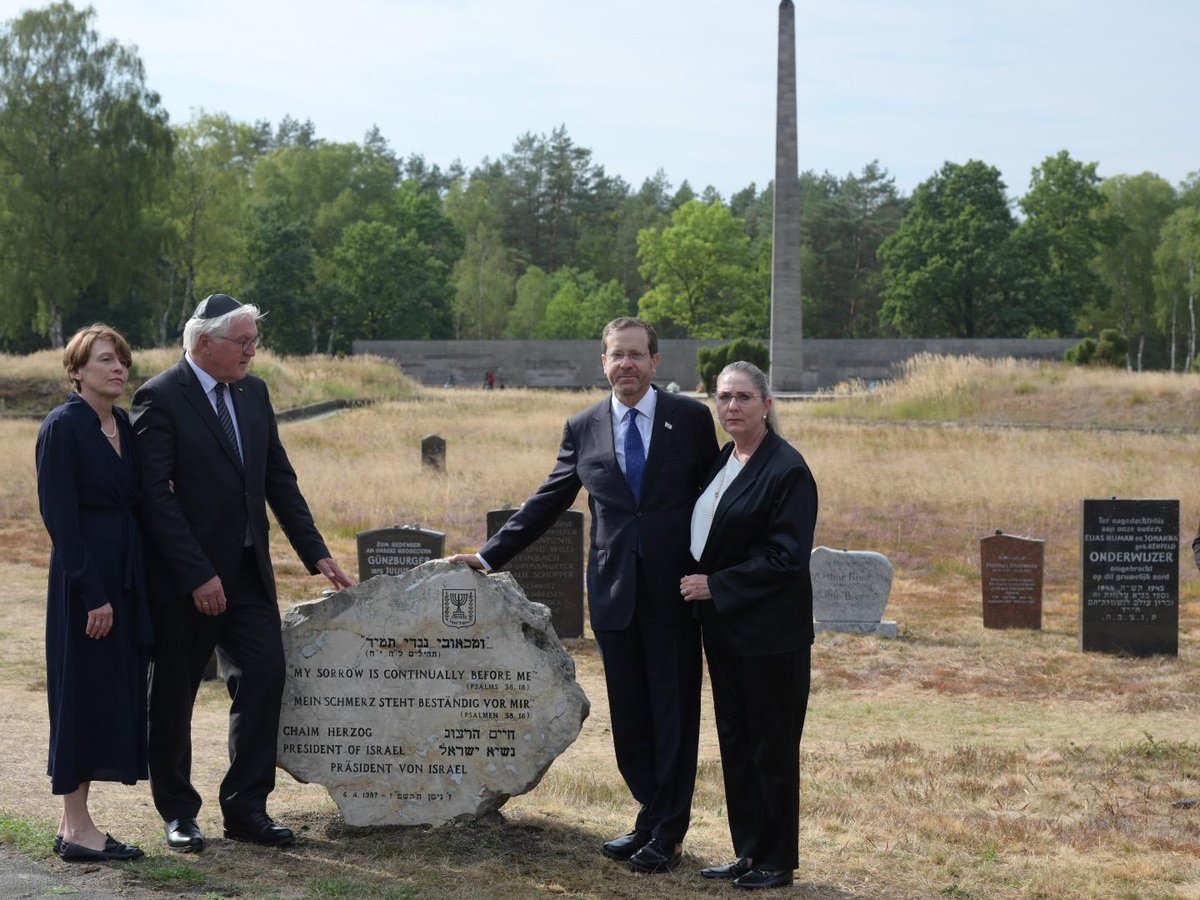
column 433, row 452
column 426, row 697
column 850, row 591
column 1129, row 599
column 550, row 570
column 393, row 551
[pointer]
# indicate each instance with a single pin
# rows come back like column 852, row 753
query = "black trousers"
column 760, row 703
column 249, row 646
column 652, row 670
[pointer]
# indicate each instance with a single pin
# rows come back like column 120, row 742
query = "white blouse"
column 706, row 505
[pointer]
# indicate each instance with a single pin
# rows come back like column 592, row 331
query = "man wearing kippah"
column 211, row 461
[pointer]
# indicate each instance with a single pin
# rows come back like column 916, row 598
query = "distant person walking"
column 212, row 461
column 98, row 630
column 641, row 454
column 752, row 535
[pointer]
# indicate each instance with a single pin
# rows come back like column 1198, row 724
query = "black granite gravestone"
column 393, row 551
column 1129, row 599
column 550, row 570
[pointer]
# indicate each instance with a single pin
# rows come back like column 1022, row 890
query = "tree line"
column 109, row 211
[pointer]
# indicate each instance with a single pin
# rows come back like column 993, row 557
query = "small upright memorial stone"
column 393, row 551
column 850, row 591
column 1129, row 599
column 433, row 452
column 550, row 570
column 425, row 698
column 1013, row 570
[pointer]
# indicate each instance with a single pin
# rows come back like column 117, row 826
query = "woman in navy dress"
column 98, row 631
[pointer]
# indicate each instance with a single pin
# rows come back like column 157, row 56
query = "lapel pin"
column 668, row 426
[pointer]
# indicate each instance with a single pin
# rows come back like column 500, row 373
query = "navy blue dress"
column 96, row 688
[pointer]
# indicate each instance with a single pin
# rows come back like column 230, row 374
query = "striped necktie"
column 225, row 419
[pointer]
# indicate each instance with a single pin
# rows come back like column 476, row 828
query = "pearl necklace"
column 113, row 434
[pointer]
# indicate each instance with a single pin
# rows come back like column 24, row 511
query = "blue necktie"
column 225, row 419
column 635, row 455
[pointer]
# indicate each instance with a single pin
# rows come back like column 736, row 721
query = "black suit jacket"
column 683, row 444
column 200, row 499
column 757, row 555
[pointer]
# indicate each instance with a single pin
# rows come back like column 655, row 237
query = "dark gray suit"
column 201, row 503
column 639, row 551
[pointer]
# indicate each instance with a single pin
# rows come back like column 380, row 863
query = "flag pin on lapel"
column 668, row 426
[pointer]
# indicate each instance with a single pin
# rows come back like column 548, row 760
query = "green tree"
column 951, row 269
column 484, row 278
column 713, row 359
column 1141, row 204
column 395, row 287
column 204, row 208
column 845, row 221
column 1067, row 222
column 1176, row 278
column 705, row 279
column 84, row 147
column 534, row 290
column 281, row 279
column 581, row 306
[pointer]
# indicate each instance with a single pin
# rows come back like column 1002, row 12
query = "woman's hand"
column 99, row 621
column 694, row 587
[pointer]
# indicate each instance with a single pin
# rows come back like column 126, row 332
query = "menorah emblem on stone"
column 458, row 608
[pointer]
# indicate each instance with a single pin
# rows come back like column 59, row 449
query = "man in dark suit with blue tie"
column 211, row 460
column 642, row 455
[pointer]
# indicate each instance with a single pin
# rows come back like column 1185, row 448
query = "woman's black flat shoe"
column 118, row 850
column 79, row 853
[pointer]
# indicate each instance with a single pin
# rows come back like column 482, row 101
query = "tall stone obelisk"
column 787, row 349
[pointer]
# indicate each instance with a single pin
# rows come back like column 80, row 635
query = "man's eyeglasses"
column 619, row 356
column 247, row 343
column 725, row 398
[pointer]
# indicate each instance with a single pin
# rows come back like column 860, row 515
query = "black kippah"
column 215, row 305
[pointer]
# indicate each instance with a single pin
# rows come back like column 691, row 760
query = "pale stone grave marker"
column 426, row 697
column 850, row 591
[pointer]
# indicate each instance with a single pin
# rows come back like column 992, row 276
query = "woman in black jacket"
column 752, row 534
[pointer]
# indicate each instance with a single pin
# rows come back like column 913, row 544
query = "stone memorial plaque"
column 393, row 551
column 550, row 570
column 426, row 697
column 1129, row 600
column 850, row 591
column 1012, row 569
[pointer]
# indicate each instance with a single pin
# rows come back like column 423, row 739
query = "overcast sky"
column 689, row 87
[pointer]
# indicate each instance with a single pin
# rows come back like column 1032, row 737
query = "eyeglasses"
column 725, row 398
column 246, row 343
column 619, row 356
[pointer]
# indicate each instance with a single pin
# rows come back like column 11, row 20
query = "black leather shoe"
column 735, row 869
column 258, row 828
column 184, row 836
column 79, row 853
column 656, row 857
column 58, row 842
column 119, row 850
column 626, row 845
column 763, row 878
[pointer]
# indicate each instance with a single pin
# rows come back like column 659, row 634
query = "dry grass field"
column 952, row 762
